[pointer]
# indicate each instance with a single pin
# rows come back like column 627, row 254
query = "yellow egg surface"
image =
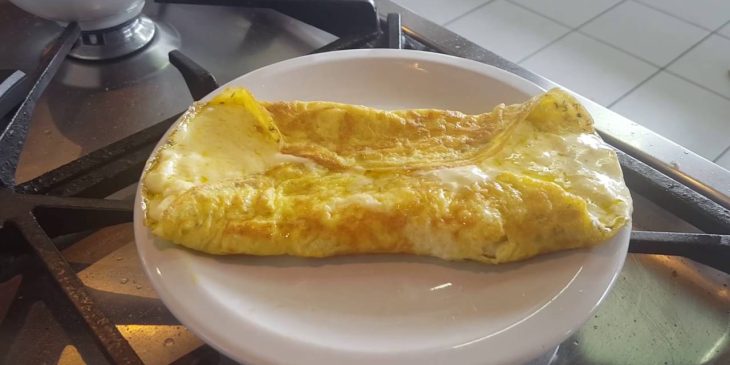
column 319, row 179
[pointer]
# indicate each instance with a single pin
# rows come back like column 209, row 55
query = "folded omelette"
column 317, row 179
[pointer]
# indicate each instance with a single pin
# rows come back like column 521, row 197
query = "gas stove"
column 94, row 102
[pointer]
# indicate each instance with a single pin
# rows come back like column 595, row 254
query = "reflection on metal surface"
column 70, row 356
column 39, row 328
column 89, row 250
column 120, row 273
column 652, row 316
column 714, row 351
column 694, row 276
column 118, row 283
column 661, row 309
column 159, row 344
column 115, row 42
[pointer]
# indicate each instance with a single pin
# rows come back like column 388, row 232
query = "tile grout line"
column 672, row 15
column 640, row 84
column 722, row 154
column 667, row 70
column 591, row 36
column 722, row 36
column 467, row 13
column 665, row 67
column 695, row 83
column 523, row 59
column 513, row 2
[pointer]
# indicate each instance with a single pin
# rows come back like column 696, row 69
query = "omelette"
column 318, row 179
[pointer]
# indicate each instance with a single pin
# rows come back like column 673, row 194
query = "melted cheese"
column 460, row 176
column 207, row 148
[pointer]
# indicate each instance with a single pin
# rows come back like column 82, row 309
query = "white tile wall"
column 708, row 64
column 508, row 29
column 441, row 11
column 569, row 12
column 645, row 32
column 681, row 111
column 709, row 14
column 590, row 68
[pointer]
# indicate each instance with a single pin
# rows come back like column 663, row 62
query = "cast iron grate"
column 70, row 199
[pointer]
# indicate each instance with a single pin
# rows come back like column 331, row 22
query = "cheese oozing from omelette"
column 318, row 179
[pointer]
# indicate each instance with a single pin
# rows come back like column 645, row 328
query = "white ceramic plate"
column 382, row 309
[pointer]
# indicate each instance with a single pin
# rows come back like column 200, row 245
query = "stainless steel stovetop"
column 662, row 310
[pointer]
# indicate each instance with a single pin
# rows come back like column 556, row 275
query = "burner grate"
column 21, row 211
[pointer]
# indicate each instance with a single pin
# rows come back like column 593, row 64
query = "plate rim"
column 209, row 337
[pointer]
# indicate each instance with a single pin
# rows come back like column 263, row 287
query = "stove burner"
column 114, row 42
